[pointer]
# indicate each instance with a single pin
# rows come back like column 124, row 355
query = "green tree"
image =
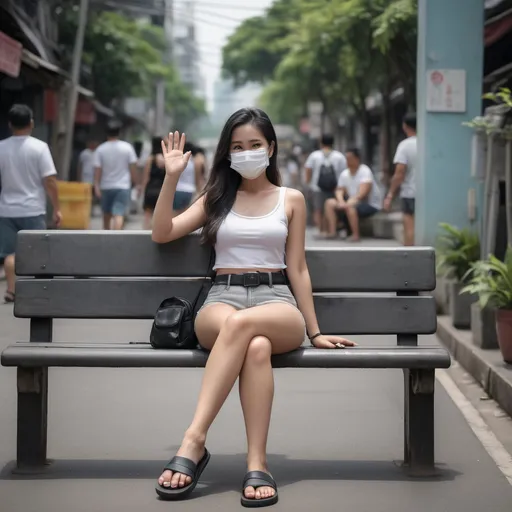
column 334, row 51
column 123, row 57
column 258, row 45
column 118, row 60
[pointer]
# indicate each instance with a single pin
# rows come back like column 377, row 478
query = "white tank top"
column 187, row 181
column 253, row 242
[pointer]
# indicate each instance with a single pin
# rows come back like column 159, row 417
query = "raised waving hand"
column 175, row 159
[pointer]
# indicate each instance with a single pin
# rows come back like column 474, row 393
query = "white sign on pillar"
column 446, row 90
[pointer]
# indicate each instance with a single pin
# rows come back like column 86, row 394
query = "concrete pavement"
column 334, row 437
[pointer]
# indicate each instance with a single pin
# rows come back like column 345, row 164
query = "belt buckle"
column 252, row 279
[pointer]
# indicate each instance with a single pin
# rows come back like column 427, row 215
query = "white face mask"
column 250, row 164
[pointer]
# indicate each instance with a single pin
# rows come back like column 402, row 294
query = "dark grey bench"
column 125, row 275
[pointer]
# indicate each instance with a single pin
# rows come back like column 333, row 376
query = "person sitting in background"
column 358, row 196
column 152, row 180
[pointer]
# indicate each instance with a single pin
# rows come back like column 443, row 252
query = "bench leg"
column 32, row 419
column 419, row 422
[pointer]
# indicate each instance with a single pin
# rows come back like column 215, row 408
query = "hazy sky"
column 215, row 21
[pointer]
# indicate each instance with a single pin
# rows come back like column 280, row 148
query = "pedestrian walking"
column 258, row 230
column 323, row 170
column 404, row 177
column 85, row 171
column 189, row 184
column 115, row 163
column 28, row 175
column 152, row 180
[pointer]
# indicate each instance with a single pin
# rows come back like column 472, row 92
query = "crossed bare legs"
column 241, row 344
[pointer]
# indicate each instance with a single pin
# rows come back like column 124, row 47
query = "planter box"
column 483, row 327
column 460, row 306
column 442, row 293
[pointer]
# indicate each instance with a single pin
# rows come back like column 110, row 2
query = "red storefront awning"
column 10, row 55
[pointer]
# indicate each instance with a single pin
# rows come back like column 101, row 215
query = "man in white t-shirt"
column 27, row 175
column 323, row 170
column 357, row 196
column 405, row 177
column 115, row 166
column 86, row 163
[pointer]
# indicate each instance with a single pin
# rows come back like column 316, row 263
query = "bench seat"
column 134, row 355
column 125, row 275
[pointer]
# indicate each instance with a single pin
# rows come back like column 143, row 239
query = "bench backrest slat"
column 129, row 254
column 138, row 298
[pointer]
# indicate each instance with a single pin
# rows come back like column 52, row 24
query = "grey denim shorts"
column 241, row 297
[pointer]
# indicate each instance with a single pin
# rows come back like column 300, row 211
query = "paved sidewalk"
column 486, row 366
column 334, row 437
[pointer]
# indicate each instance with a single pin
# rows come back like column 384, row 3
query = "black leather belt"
column 252, row 279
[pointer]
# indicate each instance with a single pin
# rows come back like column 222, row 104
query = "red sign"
column 305, row 126
column 10, row 55
column 437, row 78
column 85, row 111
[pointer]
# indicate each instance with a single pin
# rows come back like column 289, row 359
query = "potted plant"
column 457, row 250
column 491, row 280
column 443, row 289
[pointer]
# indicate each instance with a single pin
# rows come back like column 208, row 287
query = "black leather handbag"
column 173, row 326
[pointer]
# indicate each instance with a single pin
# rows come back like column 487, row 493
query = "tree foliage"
column 333, row 51
column 124, row 57
column 120, row 56
column 260, row 43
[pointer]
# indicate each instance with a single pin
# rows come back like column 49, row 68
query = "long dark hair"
column 223, row 183
column 156, row 146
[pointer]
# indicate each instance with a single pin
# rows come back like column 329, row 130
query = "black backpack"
column 327, row 179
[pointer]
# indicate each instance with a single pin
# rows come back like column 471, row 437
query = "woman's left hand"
column 325, row 341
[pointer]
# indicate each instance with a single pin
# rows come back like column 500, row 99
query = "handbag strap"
column 209, row 273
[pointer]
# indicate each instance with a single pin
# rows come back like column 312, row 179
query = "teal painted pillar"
column 450, row 65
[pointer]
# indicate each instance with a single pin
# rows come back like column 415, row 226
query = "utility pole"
column 161, row 118
column 160, row 127
column 73, row 90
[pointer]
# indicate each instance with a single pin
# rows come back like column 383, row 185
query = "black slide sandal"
column 9, row 298
column 258, row 479
column 185, row 467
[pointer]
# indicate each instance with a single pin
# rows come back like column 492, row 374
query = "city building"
column 185, row 49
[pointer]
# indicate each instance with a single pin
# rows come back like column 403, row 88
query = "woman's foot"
column 353, row 239
column 191, row 448
column 261, row 492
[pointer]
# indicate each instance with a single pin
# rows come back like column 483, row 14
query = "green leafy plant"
column 491, row 280
column 457, row 251
column 480, row 124
column 503, row 96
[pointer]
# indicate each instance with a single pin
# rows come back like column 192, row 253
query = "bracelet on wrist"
column 311, row 338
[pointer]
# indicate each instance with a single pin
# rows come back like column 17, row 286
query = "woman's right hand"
column 175, row 159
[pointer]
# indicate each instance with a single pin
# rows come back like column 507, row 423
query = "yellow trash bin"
column 75, row 204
